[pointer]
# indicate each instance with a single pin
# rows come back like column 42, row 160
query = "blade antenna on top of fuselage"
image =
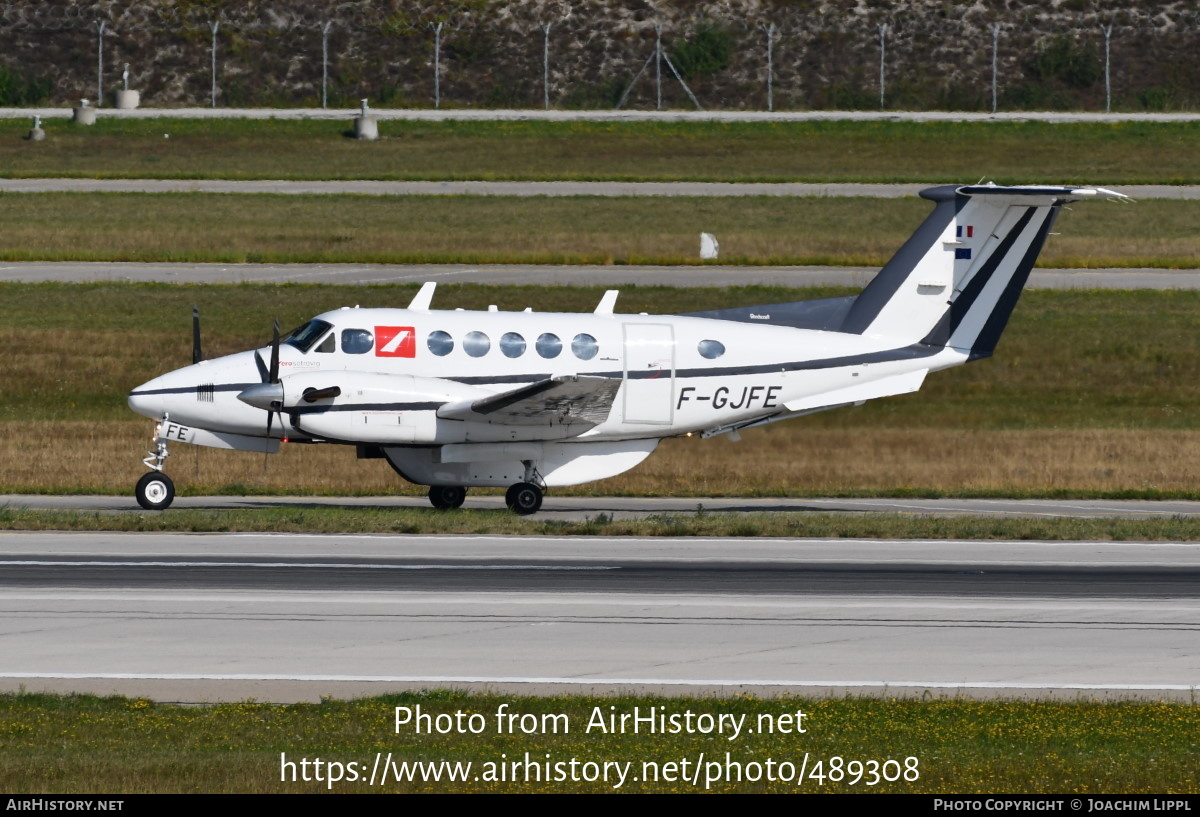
column 197, row 354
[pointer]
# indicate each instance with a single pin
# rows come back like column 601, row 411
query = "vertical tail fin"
column 956, row 280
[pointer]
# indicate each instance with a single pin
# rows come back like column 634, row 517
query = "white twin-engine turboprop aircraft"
column 533, row 400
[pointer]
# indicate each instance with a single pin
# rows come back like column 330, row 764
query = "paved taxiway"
column 288, row 617
column 545, row 274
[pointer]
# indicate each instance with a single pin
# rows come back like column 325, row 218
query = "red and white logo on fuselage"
column 395, row 341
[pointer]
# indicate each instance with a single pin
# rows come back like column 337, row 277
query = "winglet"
column 424, row 297
column 605, row 307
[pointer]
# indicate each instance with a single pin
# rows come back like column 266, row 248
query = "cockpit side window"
column 304, row 337
column 327, row 345
column 357, row 341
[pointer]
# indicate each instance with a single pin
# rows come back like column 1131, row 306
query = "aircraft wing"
column 570, row 400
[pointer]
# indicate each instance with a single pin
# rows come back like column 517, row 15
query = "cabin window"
column 476, row 344
column 548, row 345
column 357, row 341
column 584, row 346
column 512, row 344
column 440, row 343
column 303, row 337
column 328, row 345
column 711, row 349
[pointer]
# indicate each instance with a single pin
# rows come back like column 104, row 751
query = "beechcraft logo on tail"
column 395, row 341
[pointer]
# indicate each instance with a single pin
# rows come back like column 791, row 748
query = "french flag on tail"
column 964, row 252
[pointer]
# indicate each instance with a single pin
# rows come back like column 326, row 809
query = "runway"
column 188, row 617
column 544, row 275
column 579, row 508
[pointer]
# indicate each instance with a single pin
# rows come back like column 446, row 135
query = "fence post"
column 883, row 27
column 214, row 25
column 545, row 64
column 325, row 63
column 770, row 30
column 437, row 64
column 658, row 64
column 995, row 27
column 1107, row 65
column 100, row 63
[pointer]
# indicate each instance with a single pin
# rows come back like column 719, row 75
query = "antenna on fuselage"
column 424, row 297
column 608, row 302
column 197, row 354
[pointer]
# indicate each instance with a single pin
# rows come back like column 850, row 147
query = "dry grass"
column 790, row 459
column 439, row 229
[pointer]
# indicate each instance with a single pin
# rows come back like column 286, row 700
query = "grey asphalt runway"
column 292, row 617
column 509, row 274
column 579, row 508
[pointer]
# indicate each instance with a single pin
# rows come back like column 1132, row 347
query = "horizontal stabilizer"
column 884, row 387
column 571, row 400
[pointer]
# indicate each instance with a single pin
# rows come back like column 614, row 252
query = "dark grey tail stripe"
column 884, row 286
column 962, row 305
column 989, row 336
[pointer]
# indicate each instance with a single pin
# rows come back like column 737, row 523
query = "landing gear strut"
column 524, row 498
column 155, row 491
column 446, row 497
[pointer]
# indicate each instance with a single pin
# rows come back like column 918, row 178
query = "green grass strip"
column 84, row 744
column 226, row 228
column 1018, row 152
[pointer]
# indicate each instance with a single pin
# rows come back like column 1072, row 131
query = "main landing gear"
column 155, row 491
column 523, row 498
column 447, row 497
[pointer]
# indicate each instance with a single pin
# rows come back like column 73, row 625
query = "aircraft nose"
column 145, row 402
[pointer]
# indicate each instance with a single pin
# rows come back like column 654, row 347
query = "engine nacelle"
column 369, row 407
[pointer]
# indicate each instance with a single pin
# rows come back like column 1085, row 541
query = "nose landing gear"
column 155, row 491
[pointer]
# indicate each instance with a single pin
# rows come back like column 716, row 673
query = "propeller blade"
column 275, row 354
column 267, row 456
column 327, row 393
column 263, row 373
column 197, row 354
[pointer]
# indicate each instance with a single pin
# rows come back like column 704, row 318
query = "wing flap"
column 563, row 401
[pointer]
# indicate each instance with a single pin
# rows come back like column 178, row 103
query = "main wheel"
column 155, row 491
column 524, row 498
column 445, row 497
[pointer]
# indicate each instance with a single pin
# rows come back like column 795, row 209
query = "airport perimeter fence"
column 548, row 54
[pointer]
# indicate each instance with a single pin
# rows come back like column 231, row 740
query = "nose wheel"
column 524, row 498
column 155, row 491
